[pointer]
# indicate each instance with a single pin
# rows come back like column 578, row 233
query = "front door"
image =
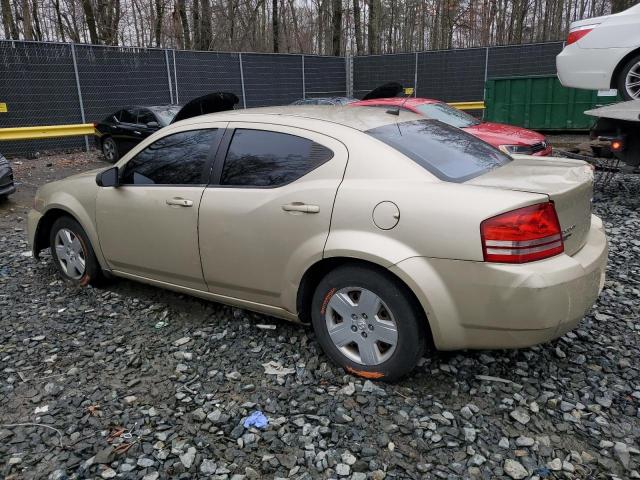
column 148, row 225
column 268, row 216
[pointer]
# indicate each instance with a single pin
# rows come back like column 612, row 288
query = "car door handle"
column 137, row 132
column 179, row 202
column 301, row 207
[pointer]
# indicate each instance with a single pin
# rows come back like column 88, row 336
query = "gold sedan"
column 389, row 233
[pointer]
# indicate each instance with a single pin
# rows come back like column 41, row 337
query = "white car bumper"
column 588, row 68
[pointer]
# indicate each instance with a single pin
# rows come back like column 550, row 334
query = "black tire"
column 92, row 274
column 110, row 150
column 634, row 62
column 410, row 321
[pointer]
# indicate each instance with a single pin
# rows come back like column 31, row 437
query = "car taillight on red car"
column 576, row 35
column 523, row 235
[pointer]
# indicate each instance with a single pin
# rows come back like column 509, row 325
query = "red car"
column 507, row 138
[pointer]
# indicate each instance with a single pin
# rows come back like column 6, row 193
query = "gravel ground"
column 77, row 366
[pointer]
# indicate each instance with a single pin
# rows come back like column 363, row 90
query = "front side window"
column 128, row 115
column 260, row 158
column 449, row 153
column 177, row 159
column 447, row 114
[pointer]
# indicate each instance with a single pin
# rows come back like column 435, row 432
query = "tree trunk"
column 10, row 28
column 275, row 26
column 336, row 25
column 27, row 29
column 182, row 11
column 159, row 15
column 372, row 33
column 90, row 18
column 205, row 25
column 357, row 25
column 195, row 17
column 620, row 5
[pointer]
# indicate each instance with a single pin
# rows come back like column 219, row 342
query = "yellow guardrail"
column 468, row 105
column 55, row 131
column 46, row 131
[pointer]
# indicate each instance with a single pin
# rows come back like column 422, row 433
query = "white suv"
column 603, row 53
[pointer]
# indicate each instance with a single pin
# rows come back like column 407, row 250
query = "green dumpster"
column 540, row 103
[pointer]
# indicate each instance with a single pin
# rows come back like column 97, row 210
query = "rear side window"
column 260, row 158
column 145, row 116
column 448, row 152
column 177, row 159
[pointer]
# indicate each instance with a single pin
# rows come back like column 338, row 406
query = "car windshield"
column 165, row 114
column 449, row 153
column 447, row 114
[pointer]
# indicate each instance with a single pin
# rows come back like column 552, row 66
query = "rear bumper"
column 33, row 219
column 588, row 68
column 484, row 305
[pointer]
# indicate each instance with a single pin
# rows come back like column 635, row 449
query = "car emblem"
column 566, row 233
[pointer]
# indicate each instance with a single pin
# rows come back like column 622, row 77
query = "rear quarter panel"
column 437, row 219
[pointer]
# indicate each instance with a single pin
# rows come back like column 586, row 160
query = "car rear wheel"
column 72, row 253
column 629, row 79
column 110, row 150
column 367, row 323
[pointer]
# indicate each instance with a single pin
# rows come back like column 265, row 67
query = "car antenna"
column 396, row 111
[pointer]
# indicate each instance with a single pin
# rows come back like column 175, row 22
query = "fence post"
column 244, row 97
column 304, row 87
column 175, row 76
column 166, row 59
column 486, row 76
column 348, row 65
column 75, row 71
column 415, row 78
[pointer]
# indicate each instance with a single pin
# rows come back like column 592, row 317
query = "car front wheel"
column 72, row 253
column 368, row 323
column 110, row 150
column 629, row 79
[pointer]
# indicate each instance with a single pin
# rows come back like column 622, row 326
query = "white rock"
column 514, row 469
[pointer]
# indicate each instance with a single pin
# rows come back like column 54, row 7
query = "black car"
column 7, row 186
column 124, row 129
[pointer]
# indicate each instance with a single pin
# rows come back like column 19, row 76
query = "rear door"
column 146, row 121
column 266, row 216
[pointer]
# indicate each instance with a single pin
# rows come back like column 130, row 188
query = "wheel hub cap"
column 632, row 81
column 70, row 253
column 361, row 326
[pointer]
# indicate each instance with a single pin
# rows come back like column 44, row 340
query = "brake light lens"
column 523, row 235
column 577, row 34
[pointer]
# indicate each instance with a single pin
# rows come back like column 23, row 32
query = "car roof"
column 358, row 118
column 411, row 101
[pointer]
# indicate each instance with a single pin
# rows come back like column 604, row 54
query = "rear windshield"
column 449, row 153
column 445, row 113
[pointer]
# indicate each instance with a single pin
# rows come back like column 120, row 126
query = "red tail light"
column 523, row 235
column 576, row 35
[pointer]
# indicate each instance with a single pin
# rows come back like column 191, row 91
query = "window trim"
column 205, row 175
column 223, row 150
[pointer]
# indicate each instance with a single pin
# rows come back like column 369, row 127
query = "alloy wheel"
column 361, row 326
column 70, row 253
column 109, row 150
column 632, row 81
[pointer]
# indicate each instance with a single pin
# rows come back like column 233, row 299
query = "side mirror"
column 152, row 125
column 108, row 177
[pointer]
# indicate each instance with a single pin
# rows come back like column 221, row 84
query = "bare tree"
column 275, row 26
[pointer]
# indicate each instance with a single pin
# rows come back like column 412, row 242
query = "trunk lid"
column 568, row 183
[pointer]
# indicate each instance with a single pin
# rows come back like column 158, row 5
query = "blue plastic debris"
column 543, row 472
column 257, row 419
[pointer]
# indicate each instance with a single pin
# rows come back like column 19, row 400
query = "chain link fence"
column 52, row 84
column 454, row 75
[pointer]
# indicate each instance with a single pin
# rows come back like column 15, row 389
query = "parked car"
column 602, row 53
column 388, row 233
column 508, row 138
column 7, row 187
column 121, row 131
column 325, row 101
